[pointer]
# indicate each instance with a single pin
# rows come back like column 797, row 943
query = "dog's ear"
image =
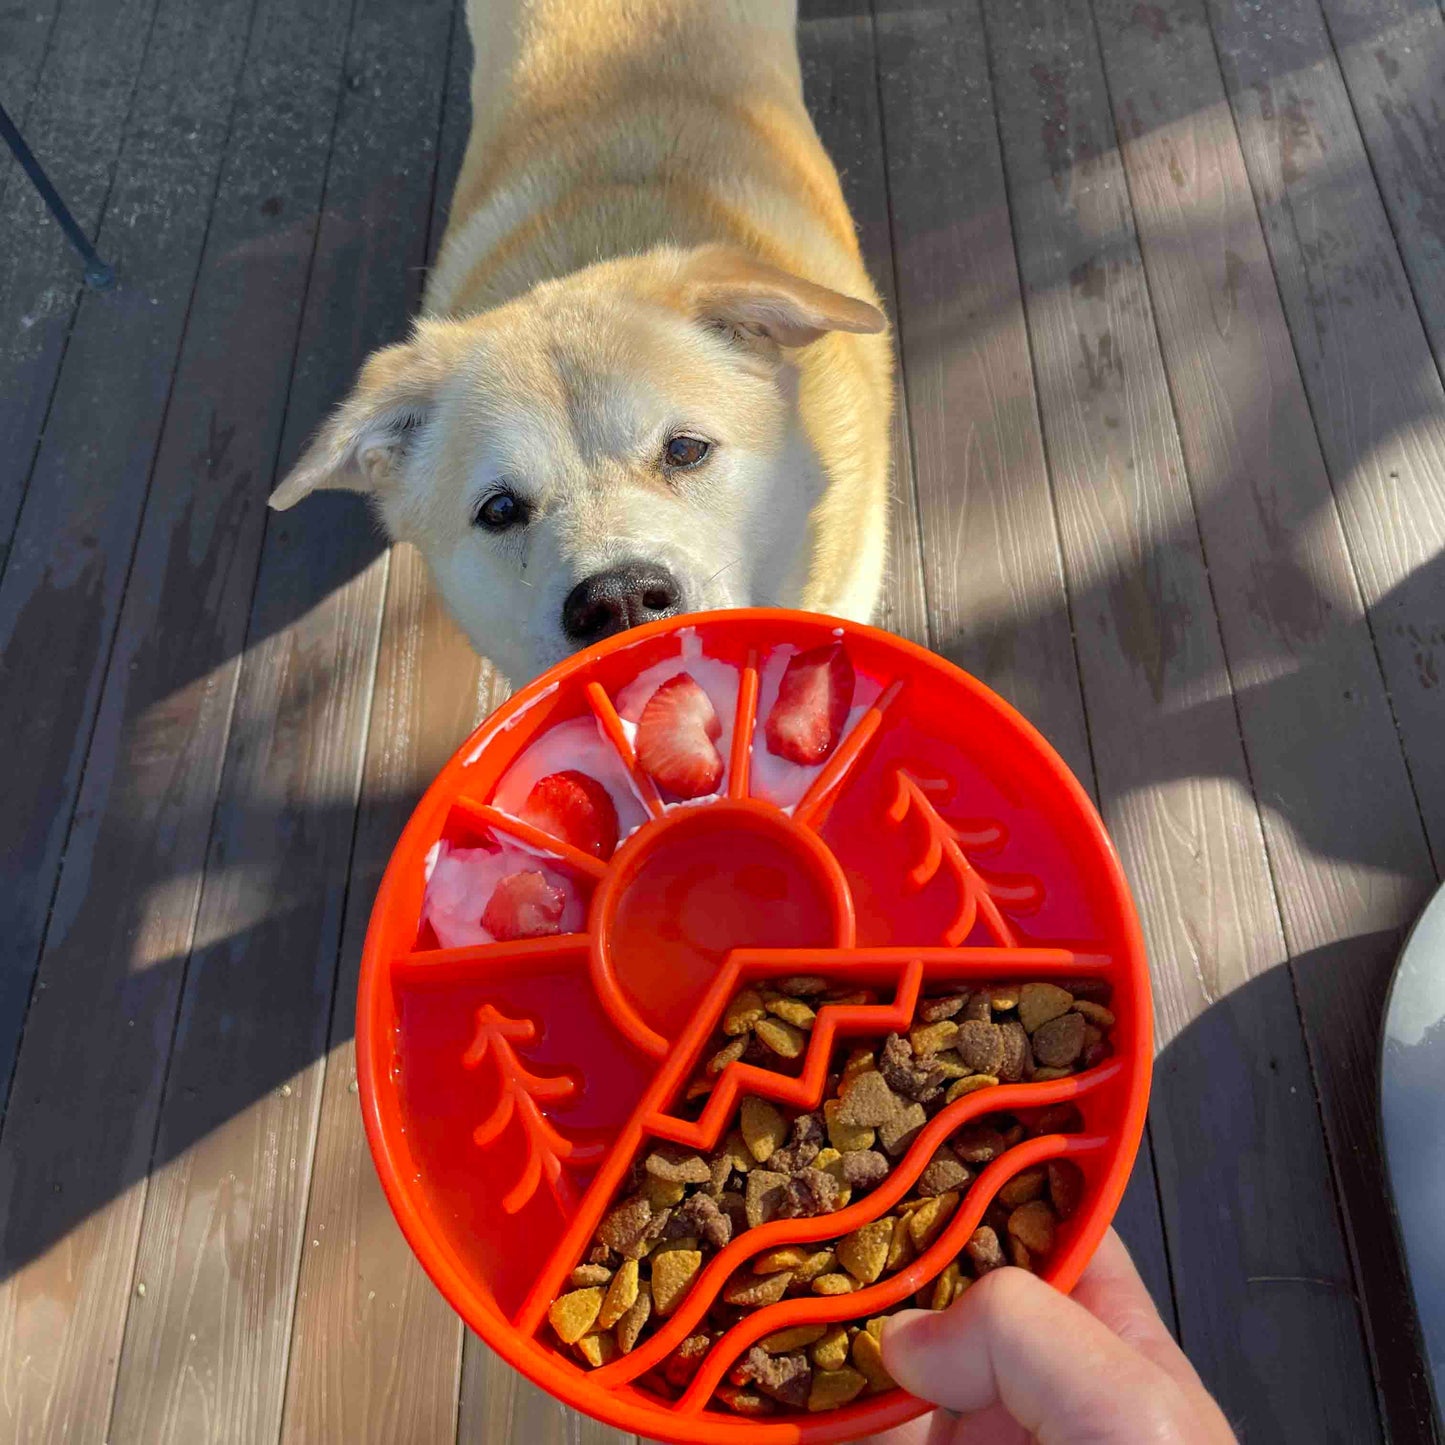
column 732, row 291
column 360, row 445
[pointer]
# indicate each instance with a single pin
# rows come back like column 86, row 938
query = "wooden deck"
column 1169, row 284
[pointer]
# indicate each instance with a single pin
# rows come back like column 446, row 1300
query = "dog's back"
column 607, row 127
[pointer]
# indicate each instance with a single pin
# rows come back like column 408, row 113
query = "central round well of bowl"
column 688, row 888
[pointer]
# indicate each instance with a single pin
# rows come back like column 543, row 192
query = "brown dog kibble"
column 832, row 1388
column 681, row 1206
column 574, row 1313
column 1040, row 1002
column 672, row 1277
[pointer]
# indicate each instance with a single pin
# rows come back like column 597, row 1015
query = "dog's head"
column 616, row 446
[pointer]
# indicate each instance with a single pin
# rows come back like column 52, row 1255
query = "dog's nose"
column 619, row 598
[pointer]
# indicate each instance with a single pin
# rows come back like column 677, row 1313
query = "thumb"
column 1014, row 1341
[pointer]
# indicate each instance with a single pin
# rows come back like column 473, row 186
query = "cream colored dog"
column 652, row 375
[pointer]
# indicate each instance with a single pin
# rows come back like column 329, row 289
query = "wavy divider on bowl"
column 844, row 1221
column 906, row 968
column 827, row 1309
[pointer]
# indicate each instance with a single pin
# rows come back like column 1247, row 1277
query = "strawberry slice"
column 675, row 737
column 575, row 808
column 813, row 701
column 524, row 905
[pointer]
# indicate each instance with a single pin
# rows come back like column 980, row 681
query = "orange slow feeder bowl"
column 507, row 1087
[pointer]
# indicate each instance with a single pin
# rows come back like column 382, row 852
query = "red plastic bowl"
column 506, row 1087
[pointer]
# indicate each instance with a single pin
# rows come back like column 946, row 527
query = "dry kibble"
column 821, row 1261
column 946, row 1287
column 743, row 1012
column 765, row 1196
column 930, row 1038
column 1040, row 1002
column 949, row 1064
column 802, row 985
column 980, row 1046
column 744, row 1401
column 685, row 1361
column 573, row 1314
column 730, row 1053
column 931, row 1010
column 832, row 1388
column 1026, row 1185
column 868, row 1101
column 756, row 1290
column 782, row 1038
column 735, row 1150
column 831, row 1351
column 763, row 1126
column 792, row 1011
column 621, row 1295
column 682, row 1205
column 867, row 1355
column 672, row 1277
column 984, row 1250
column 629, row 1327
column 900, row 1248
column 1042, row 1076
column 977, row 1009
column 842, row 1135
column 1032, row 1225
column 943, row 1172
column 926, row 1222
column 790, row 1256
column 901, row 1128
column 797, row 1338
column 1018, row 1057
column 1066, row 1186
column 625, row 1226
column 1058, row 1043
column 864, row 1252
column 662, row 1193
column 589, row 1274
column 597, row 1349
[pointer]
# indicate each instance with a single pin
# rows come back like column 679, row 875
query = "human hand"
column 1020, row 1362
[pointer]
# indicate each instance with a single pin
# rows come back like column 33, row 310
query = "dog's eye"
column 683, row 452
column 500, row 511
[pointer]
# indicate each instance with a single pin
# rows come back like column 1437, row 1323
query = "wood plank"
column 70, row 1157
column 998, row 606
column 1341, row 823
column 1392, row 57
column 1373, row 385
column 60, row 593
column 205, row 1354
column 376, row 1351
column 1239, row 1145
column 25, row 35
column 840, row 84
column 76, row 124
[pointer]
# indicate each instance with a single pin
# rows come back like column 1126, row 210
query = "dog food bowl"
column 509, row 1085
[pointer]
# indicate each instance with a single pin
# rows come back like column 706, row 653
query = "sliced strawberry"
column 524, row 905
column 675, row 737
column 575, row 808
column 813, row 701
